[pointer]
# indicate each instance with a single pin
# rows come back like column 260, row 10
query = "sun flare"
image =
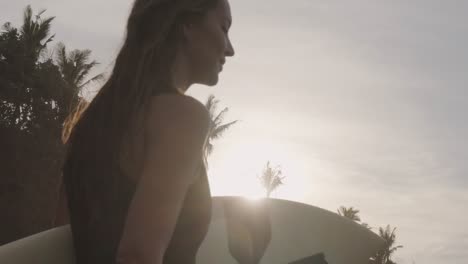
column 234, row 173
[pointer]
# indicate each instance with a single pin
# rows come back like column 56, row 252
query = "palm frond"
column 220, row 116
column 43, row 30
column 271, row 178
column 216, row 126
column 210, row 101
column 35, row 33
column 63, row 62
column 47, row 41
column 219, row 131
column 7, row 27
column 350, row 213
column 99, row 78
column 74, row 67
column 211, row 105
column 27, row 19
column 39, row 14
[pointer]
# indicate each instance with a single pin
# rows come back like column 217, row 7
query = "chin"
column 210, row 81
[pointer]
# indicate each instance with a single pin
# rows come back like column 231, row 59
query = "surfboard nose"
column 53, row 246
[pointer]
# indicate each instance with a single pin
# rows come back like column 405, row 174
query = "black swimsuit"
column 192, row 224
column 97, row 215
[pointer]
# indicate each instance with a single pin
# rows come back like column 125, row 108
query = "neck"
column 180, row 74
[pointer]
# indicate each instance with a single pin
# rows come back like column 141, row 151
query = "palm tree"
column 217, row 128
column 75, row 67
column 33, row 38
column 384, row 256
column 271, row 179
column 36, row 94
column 352, row 214
column 349, row 213
column 35, row 33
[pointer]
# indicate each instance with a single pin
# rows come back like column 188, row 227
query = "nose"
column 229, row 49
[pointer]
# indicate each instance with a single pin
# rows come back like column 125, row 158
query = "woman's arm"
column 175, row 134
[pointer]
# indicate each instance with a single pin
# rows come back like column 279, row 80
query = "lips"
column 221, row 64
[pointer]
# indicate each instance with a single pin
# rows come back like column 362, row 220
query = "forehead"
column 223, row 10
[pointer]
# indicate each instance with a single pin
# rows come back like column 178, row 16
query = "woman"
column 134, row 176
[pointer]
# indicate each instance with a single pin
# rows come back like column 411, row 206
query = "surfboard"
column 274, row 231
column 52, row 246
column 242, row 231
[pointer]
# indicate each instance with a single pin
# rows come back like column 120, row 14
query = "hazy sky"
column 361, row 102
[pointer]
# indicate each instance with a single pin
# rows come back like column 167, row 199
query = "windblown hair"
column 142, row 68
column 94, row 133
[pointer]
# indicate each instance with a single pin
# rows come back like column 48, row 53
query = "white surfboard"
column 53, row 246
column 299, row 233
column 242, row 231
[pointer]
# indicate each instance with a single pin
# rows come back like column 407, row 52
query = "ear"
column 188, row 30
column 191, row 25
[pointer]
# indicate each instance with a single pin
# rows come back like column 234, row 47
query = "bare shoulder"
column 177, row 104
column 176, row 129
column 175, row 111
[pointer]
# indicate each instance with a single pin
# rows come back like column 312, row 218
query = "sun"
column 240, row 186
column 233, row 171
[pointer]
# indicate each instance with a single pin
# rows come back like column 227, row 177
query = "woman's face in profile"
column 208, row 44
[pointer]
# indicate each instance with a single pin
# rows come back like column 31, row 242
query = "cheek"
column 219, row 41
column 211, row 41
column 206, row 48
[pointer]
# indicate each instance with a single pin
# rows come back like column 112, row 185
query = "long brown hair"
column 142, row 68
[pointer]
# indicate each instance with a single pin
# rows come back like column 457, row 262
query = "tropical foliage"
column 37, row 92
column 352, row 214
column 349, row 213
column 217, row 127
column 271, row 178
column 384, row 255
